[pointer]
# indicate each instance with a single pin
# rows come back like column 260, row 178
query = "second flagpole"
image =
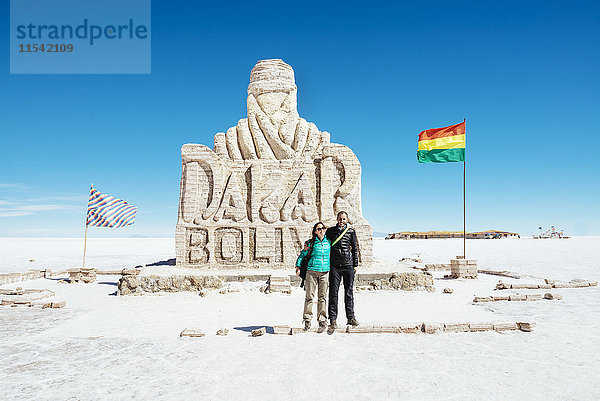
column 465, row 197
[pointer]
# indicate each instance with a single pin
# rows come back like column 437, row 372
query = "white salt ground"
column 102, row 346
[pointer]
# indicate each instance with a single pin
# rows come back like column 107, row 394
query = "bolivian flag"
column 442, row 145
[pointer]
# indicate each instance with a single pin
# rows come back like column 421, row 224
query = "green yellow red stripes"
column 441, row 155
column 442, row 145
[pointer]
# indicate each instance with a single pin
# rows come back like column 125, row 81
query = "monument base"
column 173, row 279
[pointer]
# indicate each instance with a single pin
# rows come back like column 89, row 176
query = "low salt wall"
column 8, row 278
column 138, row 284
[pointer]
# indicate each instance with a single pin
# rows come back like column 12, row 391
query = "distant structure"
column 489, row 234
column 252, row 200
column 552, row 232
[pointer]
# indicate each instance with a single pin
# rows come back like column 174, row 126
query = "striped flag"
column 442, row 145
column 108, row 211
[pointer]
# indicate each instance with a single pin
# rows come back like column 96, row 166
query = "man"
column 343, row 261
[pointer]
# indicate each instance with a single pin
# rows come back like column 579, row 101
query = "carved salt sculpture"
column 252, row 200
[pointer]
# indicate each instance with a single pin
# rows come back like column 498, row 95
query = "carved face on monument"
column 273, row 86
column 272, row 130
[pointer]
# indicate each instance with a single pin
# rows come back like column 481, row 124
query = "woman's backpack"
column 304, row 263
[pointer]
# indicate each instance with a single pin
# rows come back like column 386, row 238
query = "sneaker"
column 322, row 326
column 333, row 324
column 353, row 322
column 306, row 325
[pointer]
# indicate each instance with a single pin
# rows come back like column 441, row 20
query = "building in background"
column 489, row 234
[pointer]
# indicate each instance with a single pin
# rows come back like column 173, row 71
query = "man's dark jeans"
column 336, row 275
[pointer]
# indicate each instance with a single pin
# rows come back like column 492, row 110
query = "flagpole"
column 86, row 228
column 465, row 199
column 85, row 242
column 464, row 211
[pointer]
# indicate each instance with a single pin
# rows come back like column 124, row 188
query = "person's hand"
column 297, row 271
column 355, row 270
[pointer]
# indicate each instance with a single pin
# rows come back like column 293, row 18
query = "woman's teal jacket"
column 319, row 260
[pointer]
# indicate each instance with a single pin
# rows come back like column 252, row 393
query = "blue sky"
column 523, row 74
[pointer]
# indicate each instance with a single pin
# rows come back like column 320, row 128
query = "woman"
column 316, row 275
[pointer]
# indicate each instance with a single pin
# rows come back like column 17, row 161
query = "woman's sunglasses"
column 320, row 229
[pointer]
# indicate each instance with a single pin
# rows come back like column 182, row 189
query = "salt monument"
column 251, row 200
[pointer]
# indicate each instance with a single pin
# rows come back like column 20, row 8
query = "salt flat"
column 103, row 346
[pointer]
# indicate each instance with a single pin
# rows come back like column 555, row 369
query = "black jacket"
column 345, row 252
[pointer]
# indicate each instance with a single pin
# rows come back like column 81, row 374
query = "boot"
column 353, row 322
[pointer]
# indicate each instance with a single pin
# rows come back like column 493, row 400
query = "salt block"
column 192, row 333
column 456, row 327
column 278, row 286
column 412, row 328
column 517, row 297
column 462, row 268
column 500, row 298
column 386, row 329
column 504, row 326
column 522, row 286
column 448, row 291
column 130, row 272
column 279, row 283
column 222, row 332
column 42, row 305
column 545, row 286
column 431, row 328
column 7, row 302
column 564, row 285
column 300, row 330
column 282, row 330
column 279, row 279
column 552, row 296
column 526, row 326
column 481, row 326
column 502, row 286
column 548, row 281
column 483, row 299
column 359, row 329
column 59, row 304
column 259, row 332
column 534, row 297
column 593, row 283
